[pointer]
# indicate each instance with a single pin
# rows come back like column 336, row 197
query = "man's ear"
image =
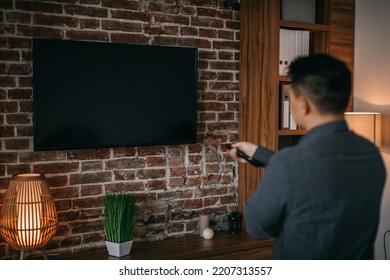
column 304, row 105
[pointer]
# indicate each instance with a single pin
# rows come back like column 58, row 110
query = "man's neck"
column 318, row 120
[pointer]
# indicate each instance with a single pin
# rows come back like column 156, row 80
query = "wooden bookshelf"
column 332, row 33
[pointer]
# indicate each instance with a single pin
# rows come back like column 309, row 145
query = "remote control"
column 243, row 155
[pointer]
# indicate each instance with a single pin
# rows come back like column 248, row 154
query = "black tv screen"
column 94, row 95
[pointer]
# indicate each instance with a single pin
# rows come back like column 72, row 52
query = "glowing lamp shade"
column 365, row 124
column 28, row 217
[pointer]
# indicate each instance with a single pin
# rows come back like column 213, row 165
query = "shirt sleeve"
column 265, row 209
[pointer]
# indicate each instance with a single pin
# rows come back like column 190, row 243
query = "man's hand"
column 246, row 147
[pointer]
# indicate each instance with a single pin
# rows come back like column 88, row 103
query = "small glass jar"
column 235, row 220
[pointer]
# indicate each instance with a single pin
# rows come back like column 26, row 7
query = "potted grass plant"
column 119, row 223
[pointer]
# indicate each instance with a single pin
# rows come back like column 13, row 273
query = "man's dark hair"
column 326, row 82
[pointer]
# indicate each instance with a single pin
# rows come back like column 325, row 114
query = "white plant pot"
column 119, row 249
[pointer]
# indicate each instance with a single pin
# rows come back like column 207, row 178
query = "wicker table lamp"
column 28, row 217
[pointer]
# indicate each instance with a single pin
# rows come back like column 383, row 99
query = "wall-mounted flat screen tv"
column 95, row 95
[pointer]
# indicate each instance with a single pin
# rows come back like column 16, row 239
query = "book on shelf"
column 286, row 120
column 292, row 44
column 284, row 107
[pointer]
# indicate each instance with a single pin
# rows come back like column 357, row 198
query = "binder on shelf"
column 284, row 44
column 305, row 43
column 292, row 44
column 284, row 107
column 281, row 51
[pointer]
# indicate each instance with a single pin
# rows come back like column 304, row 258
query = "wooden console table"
column 222, row 246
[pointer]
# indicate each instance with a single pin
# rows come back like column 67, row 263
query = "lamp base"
column 22, row 254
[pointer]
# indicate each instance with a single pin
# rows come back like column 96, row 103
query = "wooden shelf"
column 222, row 246
column 313, row 27
column 287, row 132
column 285, row 79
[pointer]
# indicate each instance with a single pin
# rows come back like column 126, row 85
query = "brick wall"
column 173, row 184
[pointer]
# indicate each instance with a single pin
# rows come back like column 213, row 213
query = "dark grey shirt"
column 319, row 199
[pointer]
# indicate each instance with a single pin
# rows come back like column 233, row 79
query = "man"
column 319, row 199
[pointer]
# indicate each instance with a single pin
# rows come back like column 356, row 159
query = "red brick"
column 177, row 182
column 182, row 20
column 207, row 54
column 68, row 216
column 88, row 154
column 17, row 17
column 86, row 11
column 91, row 166
column 179, row 194
column 91, row 178
column 226, row 45
column 124, row 152
column 89, row 24
column 129, row 38
column 91, row 190
column 92, row 238
column 194, row 42
column 176, row 161
column 120, row 4
column 125, row 187
column 211, row 106
column 16, row 42
column 176, row 227
column 228, row 116
column 25, row 82
column 151, row 151
column 194, row 182
column 26, row 106
column 85, row 227
column 155, row 161
column 188, row 31
column 7, row 81
column 8, row 157
column 206, row 12
column 233, row 24
column 194, row 170
column 207, row 33
column 67, row 192
column 156, row 185
column 151, row 174
column 121, row 26
column 177, row 172
column 18, row 168
column 164, row 41
column 223, row 86
column 42, row 156
column 129, row 163
column 37, row 31
column 50, row 20
column 55, row 168
column 207, row 22
column 8, row 107
column 124, row 175
column 62, row 205
column 57, row 181
column 88, row 35
column 91, row 202
column 70, row 241
column 210, row 201
column 225, row 76
column 17, row 144
column 208, row 75
column 39, row 6
column 130, row 15
column 224, row 65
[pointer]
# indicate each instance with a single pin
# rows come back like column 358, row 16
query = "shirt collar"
column 331, row 127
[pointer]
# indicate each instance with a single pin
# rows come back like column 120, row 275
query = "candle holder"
column 28, row 217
